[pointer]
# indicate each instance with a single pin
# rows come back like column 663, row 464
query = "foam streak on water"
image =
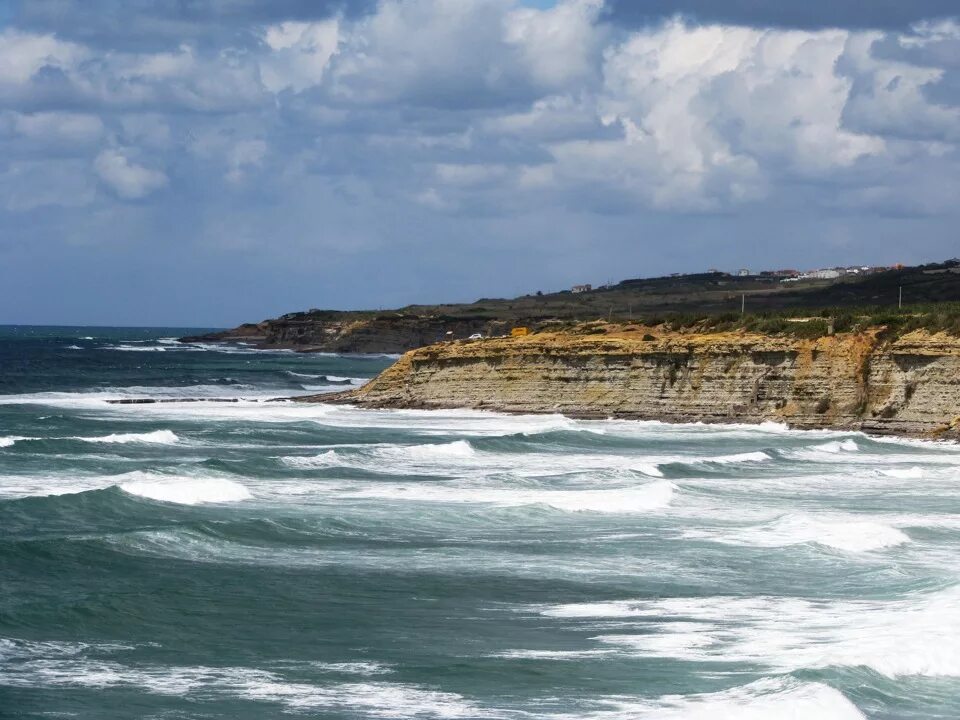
column 259, row 559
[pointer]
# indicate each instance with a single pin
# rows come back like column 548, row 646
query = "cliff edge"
column 858, row 381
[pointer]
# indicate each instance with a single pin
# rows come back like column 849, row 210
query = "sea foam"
column 849, row 534
column 916, row 635
column 157, row 437
column 765, row 699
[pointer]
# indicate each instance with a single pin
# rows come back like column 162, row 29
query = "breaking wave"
column 846, row 534
column 184, row 490
column 919, row 635
column 157, row 437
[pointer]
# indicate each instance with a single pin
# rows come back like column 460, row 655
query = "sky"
column 210, row 162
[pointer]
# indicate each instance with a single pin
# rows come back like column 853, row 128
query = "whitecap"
column 915, row 635
column 306, row 376
column 456, row 449
column 551, row 654
column 849, row 534
column 157, row 437
column 636, row 499
column 836, row 446
column 9, row 440
column 184, row 490
column 313, row 461
column 907, row 473
column 765, row 699
column 744, row 457
column 134, row 348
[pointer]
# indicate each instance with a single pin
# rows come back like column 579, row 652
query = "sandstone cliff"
column 908, row 386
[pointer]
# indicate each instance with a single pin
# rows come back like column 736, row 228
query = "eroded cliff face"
column 908, row 386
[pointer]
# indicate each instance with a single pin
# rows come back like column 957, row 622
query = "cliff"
column 909, row 385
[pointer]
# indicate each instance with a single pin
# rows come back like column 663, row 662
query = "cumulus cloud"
column 125, row 177
column 299, row 53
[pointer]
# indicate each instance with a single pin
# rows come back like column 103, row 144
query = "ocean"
column 262, row 559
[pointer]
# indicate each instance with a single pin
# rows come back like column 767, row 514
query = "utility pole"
column 743, row 303
column 900, row 300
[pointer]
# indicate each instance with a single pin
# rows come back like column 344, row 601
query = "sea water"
column 258, row 559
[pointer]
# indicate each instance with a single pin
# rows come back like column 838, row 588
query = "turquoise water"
column 264, row 559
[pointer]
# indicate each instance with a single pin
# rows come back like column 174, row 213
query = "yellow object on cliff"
column 519, row 332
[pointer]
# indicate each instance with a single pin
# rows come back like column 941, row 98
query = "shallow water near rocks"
column 265, row 559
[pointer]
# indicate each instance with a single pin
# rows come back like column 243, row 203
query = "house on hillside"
column 825, row 274
column 581, row 288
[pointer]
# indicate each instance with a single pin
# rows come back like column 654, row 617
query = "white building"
column 825, row 274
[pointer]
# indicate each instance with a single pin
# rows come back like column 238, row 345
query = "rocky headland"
column 642, row 300
column 866, row 380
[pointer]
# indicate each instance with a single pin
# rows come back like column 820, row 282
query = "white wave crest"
column 134, row 348
column 10, row 440
column 836, row 446
column 184, row 490
column 637, row 499
column 849, row 534
column 744, row 457
column 456, row 449
column 157, row 437
column 765, row 699
column 314, row 461
column 551, row 654
column 305, row 376
column 907, row 473
column 916, row 635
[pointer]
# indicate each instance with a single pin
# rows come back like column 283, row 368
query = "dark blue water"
column 261, row 559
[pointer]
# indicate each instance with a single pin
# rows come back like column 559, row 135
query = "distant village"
column 785, row 275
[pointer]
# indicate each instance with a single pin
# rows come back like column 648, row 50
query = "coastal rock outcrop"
column 907, row 386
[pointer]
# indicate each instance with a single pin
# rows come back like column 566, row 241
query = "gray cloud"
column 153, row 25
column 807, row 15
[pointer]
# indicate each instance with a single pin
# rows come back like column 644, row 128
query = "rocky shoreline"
column 908, row 386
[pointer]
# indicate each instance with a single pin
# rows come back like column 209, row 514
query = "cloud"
column 371, row 134
column 125, row 177
column 299, row 54
column 808, row 15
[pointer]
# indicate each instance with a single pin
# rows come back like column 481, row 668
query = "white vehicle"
column 476, row 336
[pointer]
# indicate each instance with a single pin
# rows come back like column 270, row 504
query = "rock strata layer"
column 907, row 386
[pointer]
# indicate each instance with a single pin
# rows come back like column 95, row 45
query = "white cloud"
column 560, row 46
column 23, row 54
column 298, row 54
column 711, row 114
column 125, row 177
